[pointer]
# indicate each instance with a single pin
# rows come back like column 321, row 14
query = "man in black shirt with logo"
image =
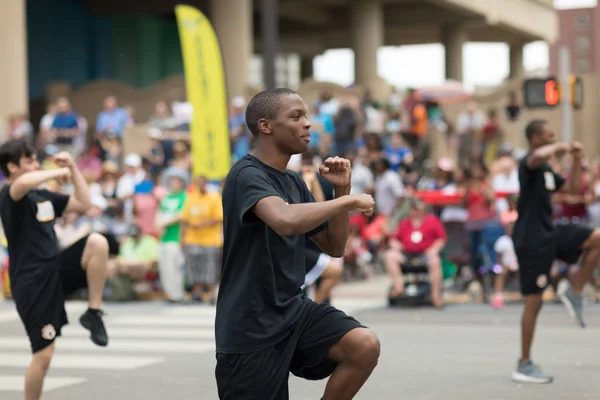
column 538, row 242
column 265, row 327
column 41, row 276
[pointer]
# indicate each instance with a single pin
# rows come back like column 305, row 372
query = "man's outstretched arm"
column 298, row 219
column 31, row 180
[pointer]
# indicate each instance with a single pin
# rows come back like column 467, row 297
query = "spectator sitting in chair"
column 420, row 233
column 138, row 256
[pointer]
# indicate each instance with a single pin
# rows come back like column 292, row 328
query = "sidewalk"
column 377, row 289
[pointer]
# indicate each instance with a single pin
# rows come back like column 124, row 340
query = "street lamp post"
column 270, row 41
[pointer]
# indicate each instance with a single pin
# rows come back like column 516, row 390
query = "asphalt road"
column 465, row 352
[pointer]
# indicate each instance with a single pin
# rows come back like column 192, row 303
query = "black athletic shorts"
column 535, row 264
column 263, row 375
column 40, row 298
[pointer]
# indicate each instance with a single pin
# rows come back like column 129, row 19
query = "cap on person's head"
column 238, row 102
column 519, row 154
column 133, row 160
column 110, row 167
column 175, row 172
column 154, row 133
column 446, row 164
column 505, row 149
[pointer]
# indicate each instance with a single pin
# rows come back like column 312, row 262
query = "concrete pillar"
column 454, row 37
column 14, row 88
column 232, row 20
column 517, row 69
column 366, row 28
column 306, row 67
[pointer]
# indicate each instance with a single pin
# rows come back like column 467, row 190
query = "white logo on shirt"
column 549, row 181
column 416, row 237
column 45, row 211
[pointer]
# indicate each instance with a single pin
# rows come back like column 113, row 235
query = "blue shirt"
column 326, row 121
column 65, row 120
column 113, row 121
column 395, row 156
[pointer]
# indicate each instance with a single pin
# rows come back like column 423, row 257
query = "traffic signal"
column 547, row 92
column 541, row 92
column 576, row 87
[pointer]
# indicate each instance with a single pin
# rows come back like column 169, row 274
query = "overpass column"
column 366, row 28
column 306, row 67
column 232, row 20
column 454, row 38
column 516, row 60
column 14, row 88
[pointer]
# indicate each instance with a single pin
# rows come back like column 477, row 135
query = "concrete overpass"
column 309, row 27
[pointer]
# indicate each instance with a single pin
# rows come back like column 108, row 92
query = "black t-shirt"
column 534, row 227
column 259, row 297
column 29, row 229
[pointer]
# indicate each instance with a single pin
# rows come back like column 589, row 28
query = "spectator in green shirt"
column 168, row 223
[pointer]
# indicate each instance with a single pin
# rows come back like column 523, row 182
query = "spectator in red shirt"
column 420, row 233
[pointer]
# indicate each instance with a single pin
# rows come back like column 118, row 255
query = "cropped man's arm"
column 542, row 155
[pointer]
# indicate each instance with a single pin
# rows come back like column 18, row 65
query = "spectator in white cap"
column 134, row 174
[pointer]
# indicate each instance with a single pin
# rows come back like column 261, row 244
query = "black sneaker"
column 92, row 321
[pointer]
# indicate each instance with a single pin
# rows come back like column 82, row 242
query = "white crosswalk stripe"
column 139, row 338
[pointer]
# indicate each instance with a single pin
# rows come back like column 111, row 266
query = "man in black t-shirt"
column 265, row 327
column 538, row 242
column 41, row 276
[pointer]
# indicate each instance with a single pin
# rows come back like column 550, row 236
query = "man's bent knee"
column 593, row 240
column 97, row 243
column 359, row 346
column 334, row 270
column 42, row 358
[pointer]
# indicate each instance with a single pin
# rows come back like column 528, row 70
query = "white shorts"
column 317, row 270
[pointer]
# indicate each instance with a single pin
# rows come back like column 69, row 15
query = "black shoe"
column 92, row 321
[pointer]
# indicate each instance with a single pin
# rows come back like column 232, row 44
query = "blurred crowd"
column 168, row 224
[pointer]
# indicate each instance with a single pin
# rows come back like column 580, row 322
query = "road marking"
column 7, row 316
column 161, row 321
column 16, row 383
column 147, row 333
column 122, row 345
column 82, row 361
column 192, row 311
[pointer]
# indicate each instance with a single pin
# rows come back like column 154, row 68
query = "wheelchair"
column 417, row 290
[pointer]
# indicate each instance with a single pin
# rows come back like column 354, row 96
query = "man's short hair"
column 534, row 128
column 12, row 151
column 265, row 105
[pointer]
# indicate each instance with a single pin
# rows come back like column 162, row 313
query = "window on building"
column 582, row 22
column 582, row 44
column 583, row 65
